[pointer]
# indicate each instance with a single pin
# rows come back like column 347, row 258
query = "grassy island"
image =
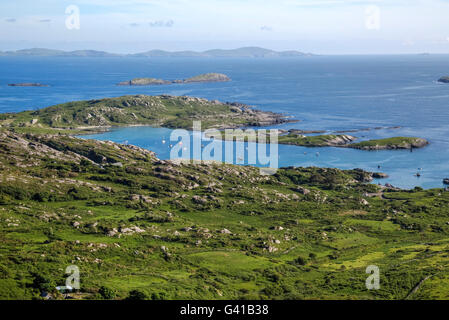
column 207, row 77
column 391, row 144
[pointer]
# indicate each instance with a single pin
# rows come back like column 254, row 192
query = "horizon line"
column 12, row 51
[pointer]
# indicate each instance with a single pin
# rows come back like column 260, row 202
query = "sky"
column 317, row 26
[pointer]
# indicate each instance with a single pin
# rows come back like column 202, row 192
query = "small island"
column 391, row 144
column 27, row 85
column 143, row 82
column 290, row 137
column 207, row 77
column 444, row 79
column 327, row 140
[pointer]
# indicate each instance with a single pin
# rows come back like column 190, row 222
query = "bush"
column 301, row 261
column 158, row 296
column 107, row 293
column 273, row 291
column 43, row 283
column 137, row 295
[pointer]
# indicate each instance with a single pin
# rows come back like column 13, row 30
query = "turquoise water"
column 401, row 165
column 331, row 93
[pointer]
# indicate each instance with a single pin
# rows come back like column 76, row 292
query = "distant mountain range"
column 40, row 52
column 247, row 52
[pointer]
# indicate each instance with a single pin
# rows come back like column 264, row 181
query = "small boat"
column 446, row 181
column 163, row 141
column 418, row 174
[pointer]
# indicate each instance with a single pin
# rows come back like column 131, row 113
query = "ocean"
column 333, row 93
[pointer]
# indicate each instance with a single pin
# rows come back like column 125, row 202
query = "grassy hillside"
column 166, row 111
column 207, row 231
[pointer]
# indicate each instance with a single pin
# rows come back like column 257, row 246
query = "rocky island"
column 391, row 144
column 143, row 82
column 28, row 85
column 207, row 77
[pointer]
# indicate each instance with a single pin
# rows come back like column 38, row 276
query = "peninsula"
column 179, row 113
column 161, row 111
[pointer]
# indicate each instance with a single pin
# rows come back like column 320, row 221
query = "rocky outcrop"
column 341, row 140
column 444, row 79
column 379, row 175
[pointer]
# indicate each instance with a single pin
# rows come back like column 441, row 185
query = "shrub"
column 158, row 296
column 137, row 295
column 300, row 261
column 107, row 293
column 43, row 283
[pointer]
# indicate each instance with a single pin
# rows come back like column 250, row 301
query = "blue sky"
column 319, row 26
